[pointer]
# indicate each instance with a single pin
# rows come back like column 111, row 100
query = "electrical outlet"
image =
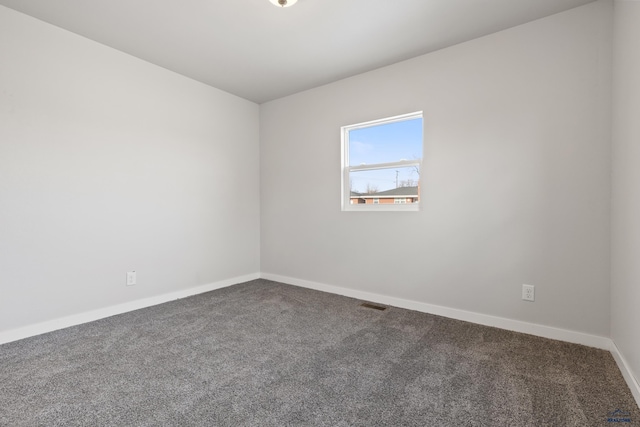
column 131, row 278
column 528, row 292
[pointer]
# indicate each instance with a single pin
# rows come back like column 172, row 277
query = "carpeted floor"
column 267, row 354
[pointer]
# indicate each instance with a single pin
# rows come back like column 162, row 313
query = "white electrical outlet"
column 131, row 278
column 528, row 292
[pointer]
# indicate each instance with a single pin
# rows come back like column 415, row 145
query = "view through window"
column 381, row 164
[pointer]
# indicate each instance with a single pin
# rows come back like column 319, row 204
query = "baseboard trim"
column 627, row 373
column 90, row 316
column 603, row 343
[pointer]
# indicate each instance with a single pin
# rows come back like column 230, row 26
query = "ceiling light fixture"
column 283, row 3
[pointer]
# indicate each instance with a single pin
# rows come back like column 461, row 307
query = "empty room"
column 319, row 213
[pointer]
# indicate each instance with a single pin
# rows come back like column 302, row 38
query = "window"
column 381, row 163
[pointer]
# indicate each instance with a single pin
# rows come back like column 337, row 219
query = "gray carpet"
column 267, row 354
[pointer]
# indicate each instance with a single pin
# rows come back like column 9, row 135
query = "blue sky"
column 389, row 142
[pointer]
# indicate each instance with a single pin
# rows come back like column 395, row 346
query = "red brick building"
column 400, row 195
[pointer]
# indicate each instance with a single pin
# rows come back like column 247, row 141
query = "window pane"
column 389, row 142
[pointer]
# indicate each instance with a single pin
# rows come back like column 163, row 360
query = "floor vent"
column 375, row 307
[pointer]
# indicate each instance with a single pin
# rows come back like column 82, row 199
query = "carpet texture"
column 267, row 354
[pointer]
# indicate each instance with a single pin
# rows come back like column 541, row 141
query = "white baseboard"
column 90, row 316
column 603, row 343
column 627, row 373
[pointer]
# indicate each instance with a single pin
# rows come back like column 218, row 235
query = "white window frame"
column 347, row 168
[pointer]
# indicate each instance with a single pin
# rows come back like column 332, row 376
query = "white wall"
column 110, row 164
column 625, row 288
column 515, row 183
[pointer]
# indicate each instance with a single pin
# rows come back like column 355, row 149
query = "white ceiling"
column 260, row 52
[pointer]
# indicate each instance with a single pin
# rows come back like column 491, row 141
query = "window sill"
column 414, row 207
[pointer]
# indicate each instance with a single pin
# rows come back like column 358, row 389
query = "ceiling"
column 260, row 52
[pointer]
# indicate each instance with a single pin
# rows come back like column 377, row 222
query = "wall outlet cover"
column 131, row 278
column 528, row 293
